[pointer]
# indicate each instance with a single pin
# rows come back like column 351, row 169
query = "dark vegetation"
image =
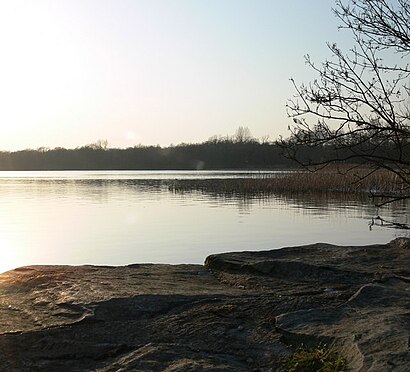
column 240, row 151
column 208, row 155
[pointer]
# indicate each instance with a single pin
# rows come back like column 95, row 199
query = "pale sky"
column 152, row 71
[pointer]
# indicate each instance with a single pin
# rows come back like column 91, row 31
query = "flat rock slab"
column 371, row 329
column 241, row 311
column 320, row 262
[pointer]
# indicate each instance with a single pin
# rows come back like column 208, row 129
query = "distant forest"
column 213, row 154
column 240, row 151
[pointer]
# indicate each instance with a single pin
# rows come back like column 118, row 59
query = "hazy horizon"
column 100, row 143
column 153, row 72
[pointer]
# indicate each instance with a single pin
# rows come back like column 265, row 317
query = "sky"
column 153, row 71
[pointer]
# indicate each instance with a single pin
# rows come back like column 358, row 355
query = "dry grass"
column 317, row 359
column 296, row 183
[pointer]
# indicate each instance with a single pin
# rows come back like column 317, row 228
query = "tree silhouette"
column 243, row 135
column 358, row 109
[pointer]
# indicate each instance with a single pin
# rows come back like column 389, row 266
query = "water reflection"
column 136, row 175
column 318, row 205
column 126, row 217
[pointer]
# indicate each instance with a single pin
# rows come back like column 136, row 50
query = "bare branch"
column 358, row 108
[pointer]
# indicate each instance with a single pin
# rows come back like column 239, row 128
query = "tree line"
column 240, row 151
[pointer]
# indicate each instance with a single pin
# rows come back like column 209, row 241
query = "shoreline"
column 239, row 311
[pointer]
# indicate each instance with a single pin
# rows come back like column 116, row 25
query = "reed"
column 296, row 183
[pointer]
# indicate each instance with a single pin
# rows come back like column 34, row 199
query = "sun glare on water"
column 8, row 256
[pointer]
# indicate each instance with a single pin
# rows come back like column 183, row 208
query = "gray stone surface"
column 242, row 311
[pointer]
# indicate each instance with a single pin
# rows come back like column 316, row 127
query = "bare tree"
column 98, row 145
column 242, row 135
column 357, row 111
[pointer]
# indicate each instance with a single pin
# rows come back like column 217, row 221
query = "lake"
column 123, row 217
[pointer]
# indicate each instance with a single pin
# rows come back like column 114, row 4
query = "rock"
column 242, row 311
column 371, row 328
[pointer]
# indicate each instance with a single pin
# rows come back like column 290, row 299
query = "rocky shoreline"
column 241, row 311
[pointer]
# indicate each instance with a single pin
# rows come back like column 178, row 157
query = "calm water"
column 117, row 218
